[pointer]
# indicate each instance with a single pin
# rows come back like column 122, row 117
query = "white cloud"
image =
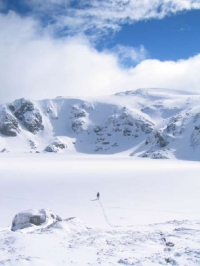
column 103, row 16
column 182, row 75
column 37, row 66
column 128, row 55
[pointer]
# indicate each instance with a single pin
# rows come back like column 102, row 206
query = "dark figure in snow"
column 98, row 195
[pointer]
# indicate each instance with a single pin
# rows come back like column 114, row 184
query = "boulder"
column 56, row 146
column 30, row 218
column 51, row 148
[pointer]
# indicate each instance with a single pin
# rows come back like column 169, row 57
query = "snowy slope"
column 155, row 123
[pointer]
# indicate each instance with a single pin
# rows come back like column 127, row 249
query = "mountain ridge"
column 154, row 123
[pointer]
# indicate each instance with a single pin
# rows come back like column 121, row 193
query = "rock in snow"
column 8, row 123
column 56, row 146
column 32, row 217
column 25, row 111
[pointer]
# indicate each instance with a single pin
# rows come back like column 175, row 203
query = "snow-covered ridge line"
column 155, row 123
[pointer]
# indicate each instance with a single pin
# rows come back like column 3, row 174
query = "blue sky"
column 176, row 36
column 172, row 38
column 120, row 37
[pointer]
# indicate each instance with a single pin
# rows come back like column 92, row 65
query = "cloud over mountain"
column 100, row 16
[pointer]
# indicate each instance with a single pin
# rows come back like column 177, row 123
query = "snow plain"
column 148, row 212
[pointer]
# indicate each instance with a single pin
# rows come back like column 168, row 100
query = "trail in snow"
column 104, row 214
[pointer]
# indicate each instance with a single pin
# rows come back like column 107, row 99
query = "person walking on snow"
column 98, row 195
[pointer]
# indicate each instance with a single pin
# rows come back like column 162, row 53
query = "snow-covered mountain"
column 155, row 123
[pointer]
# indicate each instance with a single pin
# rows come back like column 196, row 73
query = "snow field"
column 148, row 205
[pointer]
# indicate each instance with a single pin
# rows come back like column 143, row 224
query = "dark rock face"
column 124, row 122
column 25, row 111
column 20, row 107
column 78, row 113
column 195, row 137
column 160, row 139
column 78, row 116
column 77, row 126
column 8, row 124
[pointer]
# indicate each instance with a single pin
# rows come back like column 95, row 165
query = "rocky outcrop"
column 195, row 137
column 154, row 154
column 32, row 218
column 25, row 111
column 56, row 146
column 78, row 119
column 158, row 138
column 9, row 125
column 124, row 121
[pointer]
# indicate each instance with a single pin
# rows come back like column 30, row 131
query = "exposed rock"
column 105, row 142
column 158, row 138
column 33, row 145
column 171, row 261
column 8, row 123
column 25, row 111
column 51, row 148
column 115, row 145
column 195, row 137
column 158, row 155
column 124, row 122
column 154, row 154
column 97, row 129
column 161, row 139
column 78, row 116
column 87, row 106
column 32, row 218
column 127, row 132
column 169, row 244
column 171, row 127
column 196, row 117
column 55, row 146
column 77, row 125
column 77, row 113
